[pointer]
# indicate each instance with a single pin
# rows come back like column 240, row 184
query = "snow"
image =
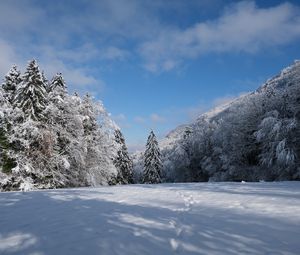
column 198, row 218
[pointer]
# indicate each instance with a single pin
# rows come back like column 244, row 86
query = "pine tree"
column 122, row 161
column 11, row 81
column 31, row 93
column 152, row 164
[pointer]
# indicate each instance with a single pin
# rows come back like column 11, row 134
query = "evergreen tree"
column 11, row 82
column 152, row 163
column 31, row 93
column 57, row 89
column 72, row 147
column 90, row 115
column 59, row 83
column 98, row 153
column 122, row 161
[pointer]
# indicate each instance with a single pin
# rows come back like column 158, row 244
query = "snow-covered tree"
column 50, row 139
column 277, row 142
column 122, row 160
column 6, row 161
column 31, row 94
column 253, row 137
column 152, row 161
column 11, row 81
column 99, row 154
column 57, row 89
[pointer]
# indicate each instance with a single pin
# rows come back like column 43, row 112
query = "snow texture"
column 200, row 218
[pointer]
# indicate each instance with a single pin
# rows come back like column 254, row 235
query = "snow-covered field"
column 202, row 218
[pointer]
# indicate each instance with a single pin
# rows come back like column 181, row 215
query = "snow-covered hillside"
column 206, row 218
column 285, row 78
column 253, row 137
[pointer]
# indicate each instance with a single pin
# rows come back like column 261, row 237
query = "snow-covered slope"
column 286, row 77
column 206, row 218
column 173, row 146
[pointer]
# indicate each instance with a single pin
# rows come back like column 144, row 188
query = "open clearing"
column 193, row 218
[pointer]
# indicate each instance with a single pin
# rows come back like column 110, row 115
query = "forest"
column 255, row 137
column 52, row 139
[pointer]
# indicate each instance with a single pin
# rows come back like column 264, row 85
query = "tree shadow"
column 85, row 221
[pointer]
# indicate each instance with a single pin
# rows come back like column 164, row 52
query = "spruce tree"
column 57, row 89
column 31, row 93
column 58, row 82
column 11, row 81
column 122, row 161
column 152, row 163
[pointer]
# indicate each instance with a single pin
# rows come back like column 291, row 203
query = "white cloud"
column 243, row 27
column 112, row 30
column 31, row 31
column 139, row 120
column 194, row 112
column 150, row 121
column 223, row 100
column 119, row 117
column 8, row 57
column 227, row 99
column 78, row 78
column 121, row 120
column 18, row 17
column 114, row 53
column 155, row 118
column 51, row 61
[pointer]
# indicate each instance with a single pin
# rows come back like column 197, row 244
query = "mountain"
column 252, row 137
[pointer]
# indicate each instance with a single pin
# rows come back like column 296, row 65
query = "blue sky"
column 154, row 64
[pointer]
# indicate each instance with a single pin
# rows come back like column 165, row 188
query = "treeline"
column 257, row 137
column 51, row 139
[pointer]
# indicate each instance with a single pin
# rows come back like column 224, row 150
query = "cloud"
column 194, row 112
column 51, row 61
column 150, row 121
column 78, row 78
column 121, row 120
column 155, row 118
column 60, row 39
column 139, row 120
column 119, row 117
column 8, row 57
column 243, row 27
column 114, row 53
column 102, row 32
column 18, row 17
column 227, row 99
column 223, row 100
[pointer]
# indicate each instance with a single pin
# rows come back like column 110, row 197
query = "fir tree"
column 122, row 161
column 73, row 146
column 152, row 163
column 31, row 93
column 11, row 82
column 58, row 82
column 57, row 89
